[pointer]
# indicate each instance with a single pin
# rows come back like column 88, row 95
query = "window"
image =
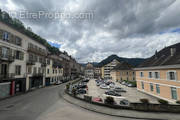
column 53, row 71
column 141, row 74
column 127, row 73
column 5, row 36
column 157, row 89
column 18, row 55
column 35, row 70
column 4, row 52
column 39, row 70
column 173, row 93
column 171, row 75
column 150, row 75
column 157, row 76
column 29, row 70
column 142, row 85
column 18, row 70
column 151, row 87
column 18, row 41
column 47, row 71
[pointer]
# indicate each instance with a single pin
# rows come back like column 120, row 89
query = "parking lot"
column 131, row 93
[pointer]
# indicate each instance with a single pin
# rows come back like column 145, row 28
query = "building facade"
column 123, row 71
column 54, row 70
column 89, row 71
column 106, row 69
column 159, row 75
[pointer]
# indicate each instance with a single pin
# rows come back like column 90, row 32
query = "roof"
column 89, row 66
column 164, row 57
column 123, row 66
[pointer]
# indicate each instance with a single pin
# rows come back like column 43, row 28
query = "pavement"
column 47, row 104
column 132, row 94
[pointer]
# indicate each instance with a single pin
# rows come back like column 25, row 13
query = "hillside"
column 133, row 61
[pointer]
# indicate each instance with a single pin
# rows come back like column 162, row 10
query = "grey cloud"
column 123, row 27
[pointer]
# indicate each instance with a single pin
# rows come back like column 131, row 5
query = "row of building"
column 26, row 64
column 158, row 76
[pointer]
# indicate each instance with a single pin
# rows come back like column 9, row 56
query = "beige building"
column 22, row 59
column 123, row 71
column 54, row 70
column 106, row 69
column 159, row 75
column 89, row 71
column 12, row 58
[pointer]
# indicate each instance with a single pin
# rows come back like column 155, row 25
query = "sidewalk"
column 121, row 113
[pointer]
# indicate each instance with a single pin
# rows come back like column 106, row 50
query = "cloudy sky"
column 128, row 28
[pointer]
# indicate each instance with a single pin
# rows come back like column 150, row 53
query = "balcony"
column 43, row 64
column 37, row 74
column 7, row 76
column 37, row 51
column 30, row 62
column 6, row 57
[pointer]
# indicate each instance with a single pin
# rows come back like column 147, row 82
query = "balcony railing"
column 6, row 57
column 37, row 74
column 7, row 76
column 37, row 51
column 30, row 62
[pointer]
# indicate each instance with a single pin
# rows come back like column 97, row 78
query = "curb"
column 131, row 117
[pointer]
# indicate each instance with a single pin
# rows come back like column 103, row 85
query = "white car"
column 104, row 86
column 111, row 85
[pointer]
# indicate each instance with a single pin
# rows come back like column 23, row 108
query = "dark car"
column 119, row 90
column 81, row 91
column 113, row 93
column 85, row 80
column 124, row 102
column 81, row 86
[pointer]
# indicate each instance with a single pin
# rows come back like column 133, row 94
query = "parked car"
column 131, row 85
column 98, row 84
column 118, row 89
column 97, row 99
column 113, row 93
column 112, row 85
column 81, row 91
column 103, row 86
column 81, row 86
column 85, row 80
column 58, row 82
column 124, row 102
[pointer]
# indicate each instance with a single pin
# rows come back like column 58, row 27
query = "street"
column 46, row 104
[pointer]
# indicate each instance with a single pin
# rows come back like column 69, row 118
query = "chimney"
column 173, row 51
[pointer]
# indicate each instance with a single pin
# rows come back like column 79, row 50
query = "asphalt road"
column 46, row 104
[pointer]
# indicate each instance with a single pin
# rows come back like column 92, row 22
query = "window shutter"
column 175, row 73
column 0, row 51
column 1, row 34
column 168, row 77
column 14, row 53
column 22, row 56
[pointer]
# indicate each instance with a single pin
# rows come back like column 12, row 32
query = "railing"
column 37, row 51
column 38, row 74
column 30, row 62
column 7, row 76
column 6, row 57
